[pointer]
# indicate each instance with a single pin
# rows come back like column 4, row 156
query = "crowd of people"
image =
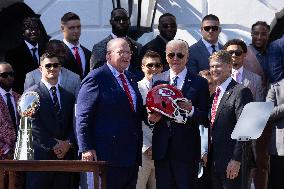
column 92, row 106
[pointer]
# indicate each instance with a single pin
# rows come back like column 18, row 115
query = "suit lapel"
column 87, row 65
column 225, row 97
column 203, row 50
column 46, row 98
column 5, row 111
column 186, row 83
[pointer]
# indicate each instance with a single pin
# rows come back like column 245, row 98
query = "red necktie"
column 214, row 106
column 126, row 89
column 78, row 59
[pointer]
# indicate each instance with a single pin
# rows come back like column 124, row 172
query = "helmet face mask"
column 164, row 99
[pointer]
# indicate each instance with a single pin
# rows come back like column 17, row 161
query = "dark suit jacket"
column 182, row 141
column 105, row 121
column 70, row 62
column 158, row 45
column 46, row 126
column 22, row 62
column 198, row 57
column 228, row 112
column 98, row 57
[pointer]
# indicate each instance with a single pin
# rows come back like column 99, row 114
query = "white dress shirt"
column 131, row 90
column 48, row 86
column 30, row 46
column 80, row 50
column 208, row 46
column 223, row 88
column 240, row 71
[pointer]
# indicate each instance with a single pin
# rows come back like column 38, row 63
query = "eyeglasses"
column 172, row 55
column 118, row 19
column 6, row 74
column 236, row 52
column 156, row 65
column 54, row 65
column 213, row 28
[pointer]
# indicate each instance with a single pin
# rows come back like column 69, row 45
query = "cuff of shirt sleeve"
column 191, row 112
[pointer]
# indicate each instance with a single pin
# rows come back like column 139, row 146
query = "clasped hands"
column 61, row 148
column 154, row 117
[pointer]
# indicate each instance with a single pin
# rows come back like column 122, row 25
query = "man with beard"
column 167, row 28
column 206, row 46
column 25, row 57
column 120, row 23
column 78, row 57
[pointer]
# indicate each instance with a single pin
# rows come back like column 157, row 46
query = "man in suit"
column 68, row 80
column 276, row 146
column 176, row 146
column 120, row 24
column 167, row 31
column 25, row 57
column 238, row 49
column 200, row 51
column 78, row 59
column 52, row 128
column 151, row 65
column 228, row 103
column 109, row 115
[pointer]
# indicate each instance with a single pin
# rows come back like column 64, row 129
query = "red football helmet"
column 163, row 99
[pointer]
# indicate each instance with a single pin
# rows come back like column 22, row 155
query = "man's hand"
column 204, row 159
column 233, row 169
column 185, row 105
column 61, row 148
column 89, row 155
column 154, row 117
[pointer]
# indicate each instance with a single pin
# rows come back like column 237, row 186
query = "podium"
column 250, row 126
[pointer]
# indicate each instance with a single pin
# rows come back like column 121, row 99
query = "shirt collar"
column 3, row 92
column 240, row 70
column 181, row 75
column 48, row 85
column 113, row 70
column 70, row 45
column 225, row 84
column 207, row 44
column 30, row 46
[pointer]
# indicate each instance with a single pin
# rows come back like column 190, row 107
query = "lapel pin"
column 228, row 92
column 189, row 80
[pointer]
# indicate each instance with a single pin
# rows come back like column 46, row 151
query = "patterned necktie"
column 34, row 54
column 126, row 89
column 56, row 105
column 175, row 81
column 214, row 106
column 78, row 59
column 237, row 76
column 213, row 48
column 11, row 108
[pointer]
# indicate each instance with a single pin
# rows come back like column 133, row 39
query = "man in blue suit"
column 200, row 51
column 176, row 146
column 109, row 117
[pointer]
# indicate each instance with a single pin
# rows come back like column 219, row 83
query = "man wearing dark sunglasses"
column 176, row 146
column 151, row 65
column 167, row 28
column 52, row 126
column 9, row 118
column 120, row 23
column 200, row 51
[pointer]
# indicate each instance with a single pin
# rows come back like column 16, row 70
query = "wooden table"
column 98, row 168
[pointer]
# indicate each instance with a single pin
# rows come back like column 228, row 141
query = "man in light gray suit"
column 151, row 65
column 200, row 51
column 68, row 80
column 276, row 148
column 238, row 49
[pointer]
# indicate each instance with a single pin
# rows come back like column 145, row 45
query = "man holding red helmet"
column 176, row 146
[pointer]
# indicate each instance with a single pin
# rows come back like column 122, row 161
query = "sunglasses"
column 118, row 19
column 6, row 74
column 172, row 55
column 54, row 65
column 213, row 28
column 236, row 52
column 151, row 65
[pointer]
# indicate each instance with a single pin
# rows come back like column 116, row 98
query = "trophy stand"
column 250, row 126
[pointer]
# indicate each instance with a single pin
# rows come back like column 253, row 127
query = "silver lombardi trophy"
column 27, row 107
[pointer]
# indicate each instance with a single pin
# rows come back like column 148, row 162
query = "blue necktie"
column 175, row 81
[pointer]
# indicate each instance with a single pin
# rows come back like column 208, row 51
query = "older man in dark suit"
column 25, row 57
column 109, row 117
column 208, row 44
column 52, row 127
column 228, row 103
column 176, row 146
